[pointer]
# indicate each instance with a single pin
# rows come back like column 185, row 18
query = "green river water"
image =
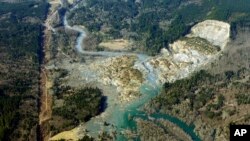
column 132, row 111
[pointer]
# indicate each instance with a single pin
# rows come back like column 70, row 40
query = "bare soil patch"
column 117, row 44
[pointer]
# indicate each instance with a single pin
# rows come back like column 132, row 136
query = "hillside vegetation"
column 77, row 106
column 153, row 24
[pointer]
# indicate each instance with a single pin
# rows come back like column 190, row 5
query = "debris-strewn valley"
column 124, row 70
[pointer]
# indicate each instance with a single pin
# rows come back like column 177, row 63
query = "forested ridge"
column 20, row 39
column 154, row 24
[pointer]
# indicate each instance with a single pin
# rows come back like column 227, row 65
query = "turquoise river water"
column 122, row 117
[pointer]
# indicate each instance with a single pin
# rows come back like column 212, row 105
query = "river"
column 119, row 117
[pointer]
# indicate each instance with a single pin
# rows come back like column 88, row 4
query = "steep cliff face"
column 185, row 55
column 216, row 32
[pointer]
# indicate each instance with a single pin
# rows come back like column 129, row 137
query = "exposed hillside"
column 211, row 100
column 190, row 52
column 215, row 32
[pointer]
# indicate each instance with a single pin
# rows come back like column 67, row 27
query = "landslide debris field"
column 123, row 70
